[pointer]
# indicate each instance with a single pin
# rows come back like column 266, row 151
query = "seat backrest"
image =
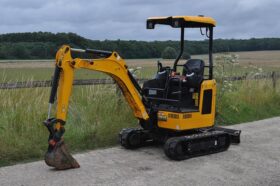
column 195, row 67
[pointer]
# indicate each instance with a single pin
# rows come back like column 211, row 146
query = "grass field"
column 96, row 113
column 43, row 69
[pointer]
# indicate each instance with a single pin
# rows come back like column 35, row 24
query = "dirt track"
column 256, row 161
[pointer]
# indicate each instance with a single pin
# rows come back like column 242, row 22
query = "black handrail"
column 210, row 53
column 181, row 49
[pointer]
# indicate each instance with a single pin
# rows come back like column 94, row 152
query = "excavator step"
column 185, row 147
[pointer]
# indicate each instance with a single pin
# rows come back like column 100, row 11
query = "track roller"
column 184, row 147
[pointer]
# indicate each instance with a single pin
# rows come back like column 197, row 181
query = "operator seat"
column 193, row 69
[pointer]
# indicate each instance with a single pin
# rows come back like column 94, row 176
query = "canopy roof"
column 181, row 21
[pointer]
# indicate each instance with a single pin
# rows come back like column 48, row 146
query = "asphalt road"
column 256, row 161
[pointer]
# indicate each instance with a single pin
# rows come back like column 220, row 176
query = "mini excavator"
column 175, row 108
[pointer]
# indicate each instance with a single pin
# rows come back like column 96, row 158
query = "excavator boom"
column 113, row 65
column 108, row 62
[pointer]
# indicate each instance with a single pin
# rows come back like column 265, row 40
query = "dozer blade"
column 60, row 158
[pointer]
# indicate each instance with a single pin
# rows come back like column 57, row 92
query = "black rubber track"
column 185, row 147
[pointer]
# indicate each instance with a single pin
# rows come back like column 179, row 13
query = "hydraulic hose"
column 54, row 84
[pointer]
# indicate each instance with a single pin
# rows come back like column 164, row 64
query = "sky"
column 126, row 19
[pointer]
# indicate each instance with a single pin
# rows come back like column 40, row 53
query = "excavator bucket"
column 60, row 158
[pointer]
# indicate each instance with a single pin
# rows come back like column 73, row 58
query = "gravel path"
column 256, row 161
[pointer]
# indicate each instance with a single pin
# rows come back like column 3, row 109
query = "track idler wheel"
column 130, row 138
column 59, row 157
column 173, row 148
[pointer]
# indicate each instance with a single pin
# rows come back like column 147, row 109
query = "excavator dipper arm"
column 110, row 63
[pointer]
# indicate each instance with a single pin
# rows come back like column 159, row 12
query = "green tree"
column 43, row 45
column 169, row 53
column 3, row 53
column 186, row 56
column 39, row 51
column 20, row 52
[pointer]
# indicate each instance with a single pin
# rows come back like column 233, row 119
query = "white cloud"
column 125, row 19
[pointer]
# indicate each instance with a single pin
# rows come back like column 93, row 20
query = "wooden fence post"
column 274, row 79
column 118, row 92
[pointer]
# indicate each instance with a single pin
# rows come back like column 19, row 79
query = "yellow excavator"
column 175, row 108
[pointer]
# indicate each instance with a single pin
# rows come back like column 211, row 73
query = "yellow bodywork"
column 196, row 19
column 116, row 67
column 113, row 65
column 190, row 120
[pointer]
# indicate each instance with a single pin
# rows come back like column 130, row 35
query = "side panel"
column 192, row 120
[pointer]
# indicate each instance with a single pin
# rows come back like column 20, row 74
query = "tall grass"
column 96, row 113
column 248, row 100
column 95, row 117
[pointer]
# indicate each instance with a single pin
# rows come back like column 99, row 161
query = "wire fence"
column 48, row 83
column 273, row 76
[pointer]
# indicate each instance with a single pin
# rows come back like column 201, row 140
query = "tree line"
column 43, row 45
